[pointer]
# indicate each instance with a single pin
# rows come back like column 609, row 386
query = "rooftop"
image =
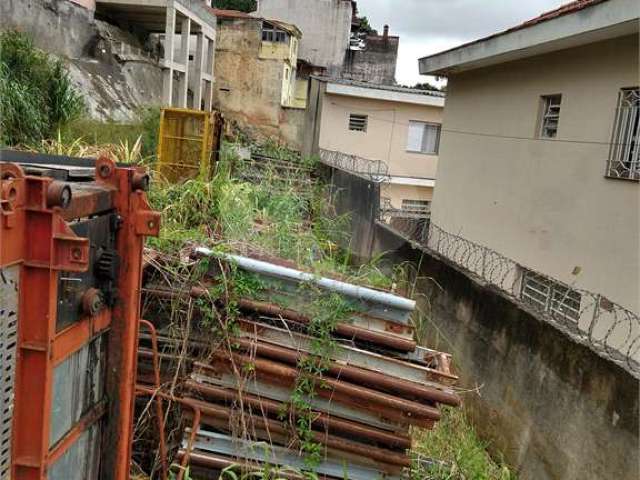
column 237, row 14
column 375, row 86
column 576, row 23
column 353, row 88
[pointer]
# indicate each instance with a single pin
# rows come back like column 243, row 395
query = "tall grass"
column 458, row 452
column 36, row 94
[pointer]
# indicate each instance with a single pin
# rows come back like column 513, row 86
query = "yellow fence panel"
column 186, row 143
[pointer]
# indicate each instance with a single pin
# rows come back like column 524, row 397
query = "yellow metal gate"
column 188, row 143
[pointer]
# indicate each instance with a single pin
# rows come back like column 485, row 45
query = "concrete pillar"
column 185, row 37
column 199, row 63
column 208, row 94
column 167, row 72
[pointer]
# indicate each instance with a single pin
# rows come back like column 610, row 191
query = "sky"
column 430, row 26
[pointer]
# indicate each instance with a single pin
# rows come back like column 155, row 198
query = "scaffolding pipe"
column 348, row 289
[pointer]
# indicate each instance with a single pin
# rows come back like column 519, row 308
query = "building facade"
column 256, row 76
column 388, row 133
column 539, row 154
column 325, row 27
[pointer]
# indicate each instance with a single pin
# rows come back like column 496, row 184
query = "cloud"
column 430, row 26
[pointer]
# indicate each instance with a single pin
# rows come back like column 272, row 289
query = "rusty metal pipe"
column 368, row 395
column 158, row 401
column 195, row 425
column 354, row 374
column 223, row 414
column 324, row 420
column 343, row 329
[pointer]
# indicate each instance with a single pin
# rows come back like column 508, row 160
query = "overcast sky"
column 430, row 26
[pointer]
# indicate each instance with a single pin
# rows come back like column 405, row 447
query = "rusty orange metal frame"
column 35, row 235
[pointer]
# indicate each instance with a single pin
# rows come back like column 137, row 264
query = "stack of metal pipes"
column 375, row 386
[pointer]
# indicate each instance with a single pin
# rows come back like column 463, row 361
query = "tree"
column 241, row 5
column 365, row 27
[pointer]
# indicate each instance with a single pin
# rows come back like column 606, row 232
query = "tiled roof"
column 566, row 9
column 219, row 12
column 570, row 7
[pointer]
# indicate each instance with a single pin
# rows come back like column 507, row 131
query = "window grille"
column 422, row 207
column 423, row 137
column 550, row 296
column 550, row 116
column 358, row 123
column 624, row 153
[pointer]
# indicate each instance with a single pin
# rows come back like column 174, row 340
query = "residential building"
column 325, row 27
column 388, row 133
column 372, row 58
column 257, row 84
column 540, row 156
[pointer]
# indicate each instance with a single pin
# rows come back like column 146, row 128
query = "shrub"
column 36, row 94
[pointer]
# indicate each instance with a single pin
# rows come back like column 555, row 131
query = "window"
column 550, row 116
column 358, row 123
column 423, row 137
column 624, row 153
column 421, row 207
column 550, row 296
column 272, row 34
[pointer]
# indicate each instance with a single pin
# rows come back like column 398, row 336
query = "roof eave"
column 603, row 21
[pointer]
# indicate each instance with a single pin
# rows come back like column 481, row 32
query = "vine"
column 326, row 312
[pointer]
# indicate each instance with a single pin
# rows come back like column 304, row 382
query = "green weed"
column 36, row 94
column 457, row 452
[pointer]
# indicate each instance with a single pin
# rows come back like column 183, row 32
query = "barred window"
column 358, row 123
column 416, row 206
column 550, row 296
column 550, row 116
column 624, row 153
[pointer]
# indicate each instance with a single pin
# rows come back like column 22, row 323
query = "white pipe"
column 348, row 289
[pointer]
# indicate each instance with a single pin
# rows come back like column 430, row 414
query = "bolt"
column 104, row 170
column 151, row 224
column 76, row 253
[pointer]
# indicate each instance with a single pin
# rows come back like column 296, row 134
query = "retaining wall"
column 553, row 408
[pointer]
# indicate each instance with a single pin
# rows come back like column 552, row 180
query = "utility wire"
column 478, row 134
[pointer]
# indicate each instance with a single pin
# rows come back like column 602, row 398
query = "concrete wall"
column 325, row 26
column 386, row 135
column 556, row 209
column 552, row 408
column 376, row 63
column 249, row 88
column 114, row 85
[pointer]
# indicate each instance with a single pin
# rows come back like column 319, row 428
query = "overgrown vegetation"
column 272, row 210
column 458, row 452
column 36, row 94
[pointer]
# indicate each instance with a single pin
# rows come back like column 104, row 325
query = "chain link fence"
column 612, row 330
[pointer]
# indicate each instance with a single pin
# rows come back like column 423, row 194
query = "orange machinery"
column 71, row 239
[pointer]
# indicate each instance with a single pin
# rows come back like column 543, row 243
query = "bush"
column 36, row 94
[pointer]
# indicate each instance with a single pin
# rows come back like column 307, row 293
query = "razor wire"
column 611, row 330
column 374, row 170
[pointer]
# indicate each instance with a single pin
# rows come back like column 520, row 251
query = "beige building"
column 540, row 152
column 390, row 133
column 257, row 84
